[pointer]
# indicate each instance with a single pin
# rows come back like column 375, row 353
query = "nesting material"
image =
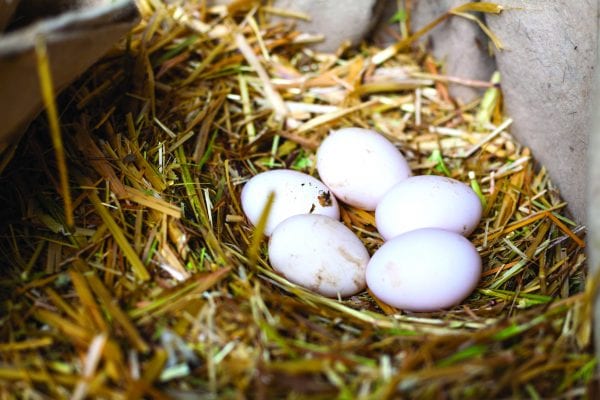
column 160, row 287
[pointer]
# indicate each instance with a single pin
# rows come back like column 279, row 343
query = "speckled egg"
column 360, row 166
column 424, row 270
column 428, row 201
column 320, row 254
column 295, row 193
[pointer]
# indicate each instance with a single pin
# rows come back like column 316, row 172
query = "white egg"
column 424, row 270
column 428, row 201
column 295, row 193
column 320, row 254
column 360, row 165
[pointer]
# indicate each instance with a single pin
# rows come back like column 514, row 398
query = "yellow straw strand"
column 47, row 91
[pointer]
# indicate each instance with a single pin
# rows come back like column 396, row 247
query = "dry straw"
column 161, row 289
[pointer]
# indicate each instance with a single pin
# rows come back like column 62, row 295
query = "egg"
column 295, row 193
column 426, row 269
column 319, row 253
column 428, row 201
column 360, row 166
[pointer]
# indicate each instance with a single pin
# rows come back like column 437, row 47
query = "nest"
column 130, row 271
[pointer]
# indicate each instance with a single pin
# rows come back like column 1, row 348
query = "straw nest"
column 129, row 270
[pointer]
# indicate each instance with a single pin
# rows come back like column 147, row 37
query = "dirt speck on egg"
column 324, row 198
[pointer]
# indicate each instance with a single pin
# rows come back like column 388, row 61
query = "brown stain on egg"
column 359, row 281
column 390, row 272
column 324, row 198
column 318, row 281
column 349, row 257
column 359, row 277
column 322, row 277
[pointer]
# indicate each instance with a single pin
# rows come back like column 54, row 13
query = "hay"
column 161, row 288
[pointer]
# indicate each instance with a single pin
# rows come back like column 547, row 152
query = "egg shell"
column 295, row 193
column 320, row 254
column 428, row 201
column 424, row 270
column 360, row 166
